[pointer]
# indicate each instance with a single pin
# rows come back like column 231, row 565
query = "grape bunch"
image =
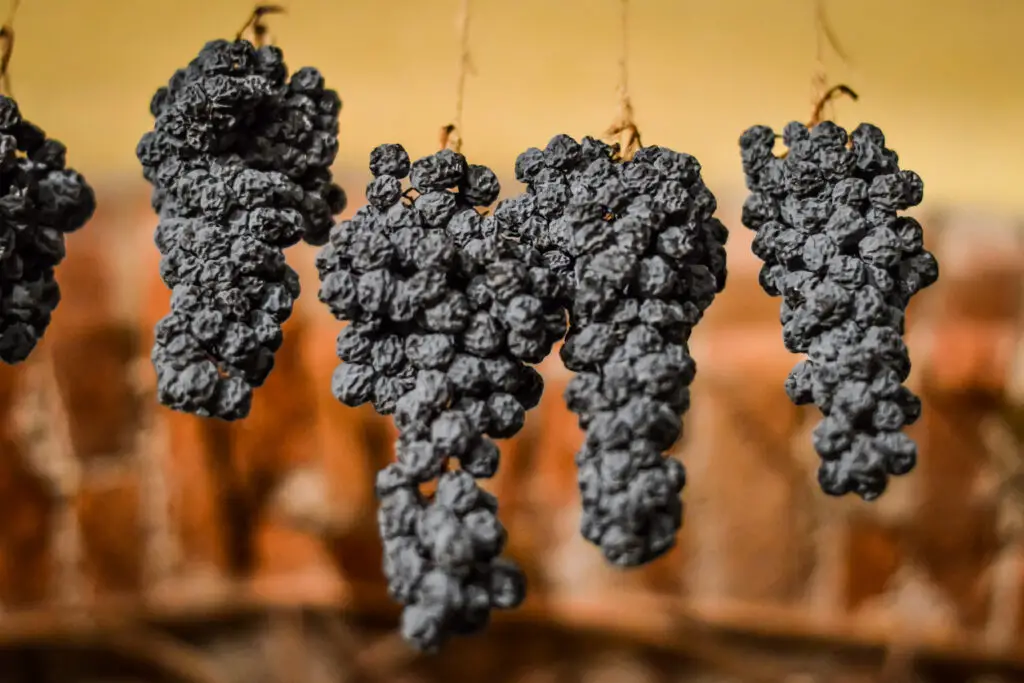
column 445, row 315
column 40, row 201
column 644, row 258
column 239, row 159
column 846, row 265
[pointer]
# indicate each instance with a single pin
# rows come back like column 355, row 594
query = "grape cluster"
column 445, row 315
column 644, row 258
column 40, row 201
column 239, row 158
column 846, row 266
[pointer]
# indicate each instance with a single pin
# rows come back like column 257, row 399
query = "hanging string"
column 822, row 96
column 819, row 78
column 451, row 135
column 7, row 48
column 256, row 26
column 624, row 130
column 624, row 56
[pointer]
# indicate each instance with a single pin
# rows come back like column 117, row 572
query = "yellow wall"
column 944, row 78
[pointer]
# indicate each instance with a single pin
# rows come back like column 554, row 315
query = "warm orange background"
column 941, row 76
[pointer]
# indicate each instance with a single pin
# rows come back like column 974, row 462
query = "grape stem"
column 817, row 116
column 256, row 25
column 450, row 138
column 830, row 94
column 625, row 132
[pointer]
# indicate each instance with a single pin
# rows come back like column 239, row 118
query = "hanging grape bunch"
column 239, row 158
column 643, row 258
column 444, row 315
column 846, row 265
column 42, row 200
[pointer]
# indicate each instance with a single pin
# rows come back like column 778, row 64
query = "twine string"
column 822, row 96
column 7, row 48
column 624, row 102
column 623, row 132
column 451, row 134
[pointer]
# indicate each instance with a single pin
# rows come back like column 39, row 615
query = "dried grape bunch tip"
column 41, row 200
column 239, row 159
column 642, row 257
column 846, row 265
column 444, row 316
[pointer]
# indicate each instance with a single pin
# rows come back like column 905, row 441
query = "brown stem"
column 830, row 94
column 451, row 138
column 624, row 132
column 255, row 23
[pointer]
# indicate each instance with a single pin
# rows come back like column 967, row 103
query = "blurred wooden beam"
column 662, row 622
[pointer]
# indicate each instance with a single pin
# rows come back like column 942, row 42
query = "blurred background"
column 141, row 545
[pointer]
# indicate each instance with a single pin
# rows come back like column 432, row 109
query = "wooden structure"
column 133, row 539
